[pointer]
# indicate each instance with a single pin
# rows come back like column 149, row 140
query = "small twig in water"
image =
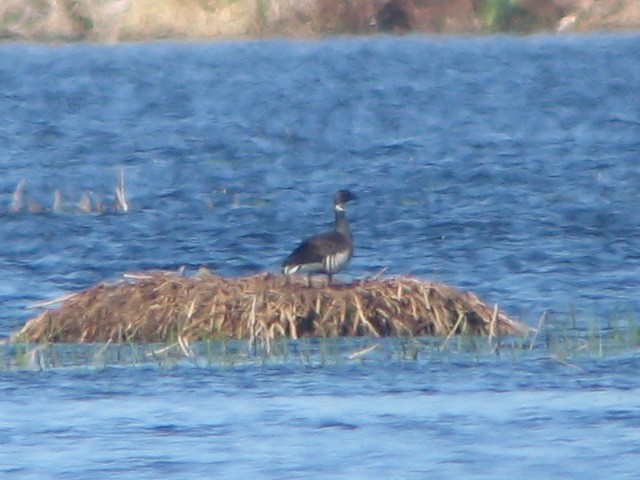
column 184, row 346
column 492, row 325
column 57, row 201
column 362, row 352
column 543, row 319
column 103, row 349
column 17, row 201
column 85, row 203
column 452, row 332
column 162, row 350
column 565, row 363
column 121, row 196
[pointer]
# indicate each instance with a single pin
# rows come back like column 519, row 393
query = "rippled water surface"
column 444, row 415
column 505, row 166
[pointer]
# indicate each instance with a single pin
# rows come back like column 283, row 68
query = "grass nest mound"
column 166, row 306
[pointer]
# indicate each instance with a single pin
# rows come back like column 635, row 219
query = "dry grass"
column 168, row 307
column 608, row 15
column 115, row 20
column 122, row 20
column 87, row 203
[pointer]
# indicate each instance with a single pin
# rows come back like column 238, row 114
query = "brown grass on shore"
column 125, row 20
column 165, row 306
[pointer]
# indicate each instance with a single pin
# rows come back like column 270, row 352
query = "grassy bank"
column 134, row 20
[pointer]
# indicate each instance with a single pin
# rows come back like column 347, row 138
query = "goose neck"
column 342, row 225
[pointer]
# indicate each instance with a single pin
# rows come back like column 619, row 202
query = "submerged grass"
column 565, row 336
column 557, row 341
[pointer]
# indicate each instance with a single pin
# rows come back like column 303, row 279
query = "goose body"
column 327, row 252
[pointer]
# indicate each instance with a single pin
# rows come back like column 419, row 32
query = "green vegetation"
column 262, row 15
column 519, row 15
column 500, row 15
column 558, row 340
column 561, row 337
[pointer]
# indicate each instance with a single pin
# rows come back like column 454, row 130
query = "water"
column 436, row 417
column 505, row 166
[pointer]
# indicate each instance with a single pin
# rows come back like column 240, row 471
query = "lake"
column 507, row 166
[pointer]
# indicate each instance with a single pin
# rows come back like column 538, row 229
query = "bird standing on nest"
column 328, row 252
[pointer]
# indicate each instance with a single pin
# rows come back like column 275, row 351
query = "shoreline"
column 57, row 43
column 136, row 21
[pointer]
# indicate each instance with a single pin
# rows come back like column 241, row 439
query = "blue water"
column 505, row 166
column 438, row 417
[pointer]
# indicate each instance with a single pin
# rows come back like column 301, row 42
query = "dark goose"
column 328, row 252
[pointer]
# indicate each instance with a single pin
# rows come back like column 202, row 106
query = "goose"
column 327, row 252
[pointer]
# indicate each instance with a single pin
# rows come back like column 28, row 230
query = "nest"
column 166, row 306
